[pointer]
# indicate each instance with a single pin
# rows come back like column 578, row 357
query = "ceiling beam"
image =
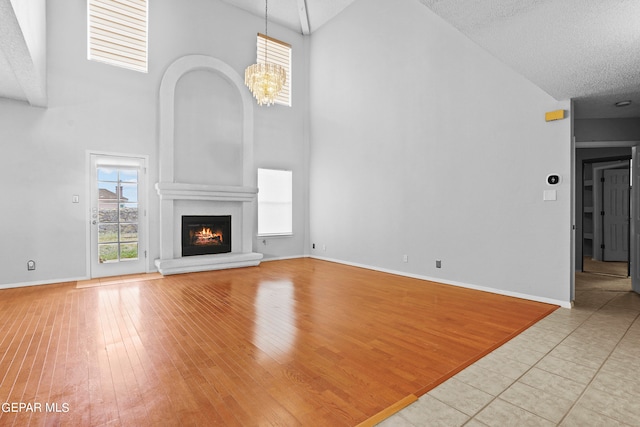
column 304, row 17
column 29, row 68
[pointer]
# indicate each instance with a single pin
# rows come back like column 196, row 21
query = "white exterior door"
column 616, row 215
column 118, row 215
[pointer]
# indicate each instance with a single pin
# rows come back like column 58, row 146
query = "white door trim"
column 143, row 191
column 635, row 194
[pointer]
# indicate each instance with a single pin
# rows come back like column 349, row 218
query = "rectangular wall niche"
column 206, row 235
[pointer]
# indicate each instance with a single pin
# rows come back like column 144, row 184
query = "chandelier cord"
column 266, row 33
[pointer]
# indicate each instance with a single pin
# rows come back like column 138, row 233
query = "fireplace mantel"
column 179, row 191
column 180, row 198
column 241, row 197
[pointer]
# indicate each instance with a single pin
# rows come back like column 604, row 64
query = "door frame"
column 143, row 191
column 634, row 197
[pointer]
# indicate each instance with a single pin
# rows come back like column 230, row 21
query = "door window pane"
column 107, row 233
column 129, row 192
column 117, row 214
column 108, row 191
column 128, row 212
column 108, row 253
column 107, row 174
column 130, row 175
column 129, row 251
column 128, row 232
column 108, row 212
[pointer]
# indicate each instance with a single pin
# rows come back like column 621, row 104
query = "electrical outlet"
column 324, row 247
column 313, row 246
column 438, row 263
column 31, row 265
column 405, row 258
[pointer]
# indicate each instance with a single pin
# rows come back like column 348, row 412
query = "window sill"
column 262, row 236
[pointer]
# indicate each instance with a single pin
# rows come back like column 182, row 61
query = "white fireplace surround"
column 177, row 199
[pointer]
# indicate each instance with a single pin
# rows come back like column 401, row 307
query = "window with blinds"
column 117, row 33
column 275, row 202
column 277, row 52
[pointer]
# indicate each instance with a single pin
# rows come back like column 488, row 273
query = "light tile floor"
column 576, row 367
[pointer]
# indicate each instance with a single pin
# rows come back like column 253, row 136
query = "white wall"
column 97, row 107
column 423, row 144
column 607, row 129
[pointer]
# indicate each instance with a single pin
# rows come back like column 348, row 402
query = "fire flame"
column 206, row 236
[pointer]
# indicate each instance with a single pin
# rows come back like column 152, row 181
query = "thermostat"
column 553, row 179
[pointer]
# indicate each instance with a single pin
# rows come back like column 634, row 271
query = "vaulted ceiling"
column 581, row 49
column 23, row 52
column 586, row 50
column 302, row 16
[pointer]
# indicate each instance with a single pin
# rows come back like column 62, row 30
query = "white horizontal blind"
column 118, row 33
column 275, row 202
column 277, row 53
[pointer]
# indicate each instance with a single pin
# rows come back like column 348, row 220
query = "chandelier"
column 265, row 80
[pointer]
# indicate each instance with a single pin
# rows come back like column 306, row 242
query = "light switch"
column 550, row 195
column 75, row 199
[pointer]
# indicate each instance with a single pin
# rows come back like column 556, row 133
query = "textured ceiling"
column 586, row 50
column 22, row 70
column 10, row 40
column 9, row 85
column 581, row 49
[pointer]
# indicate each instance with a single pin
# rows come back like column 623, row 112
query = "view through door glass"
column 117, row 220
column 117, row 214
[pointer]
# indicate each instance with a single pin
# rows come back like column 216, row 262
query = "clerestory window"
column 277, row 52
column 117, row 33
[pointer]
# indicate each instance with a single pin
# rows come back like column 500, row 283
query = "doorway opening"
column 606, row 216
column 596, row 268
column 117, row 217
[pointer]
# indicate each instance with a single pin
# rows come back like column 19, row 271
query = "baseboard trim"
column 564, row 304
column 42, row 282
column 282, row 258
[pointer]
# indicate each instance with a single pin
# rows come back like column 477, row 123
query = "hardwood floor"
column 297, row 342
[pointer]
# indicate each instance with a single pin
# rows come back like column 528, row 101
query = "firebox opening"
column 205, row 235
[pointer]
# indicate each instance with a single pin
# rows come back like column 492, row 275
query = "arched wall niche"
column 178, row 69
column 207, row 130
column 226, row 192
